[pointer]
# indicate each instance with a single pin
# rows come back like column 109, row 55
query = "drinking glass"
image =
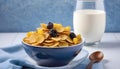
column 89, row 20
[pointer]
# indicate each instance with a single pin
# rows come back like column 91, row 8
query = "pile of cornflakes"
column 52, row 35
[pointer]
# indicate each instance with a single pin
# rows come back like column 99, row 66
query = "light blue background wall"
column 25, row 15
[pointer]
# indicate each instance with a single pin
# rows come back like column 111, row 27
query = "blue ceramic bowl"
column 52, row 57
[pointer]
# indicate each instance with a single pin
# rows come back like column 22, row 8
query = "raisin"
column 53, row 33
column 50, row 25
column 72, row 35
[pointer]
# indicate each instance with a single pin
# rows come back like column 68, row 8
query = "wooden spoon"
column 94, row 58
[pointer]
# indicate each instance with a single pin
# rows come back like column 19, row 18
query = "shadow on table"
column 109, row 45
column 105, row 61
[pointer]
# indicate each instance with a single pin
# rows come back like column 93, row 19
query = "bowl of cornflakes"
column 52, row 44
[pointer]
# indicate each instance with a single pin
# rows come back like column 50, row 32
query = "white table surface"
column 110, row 46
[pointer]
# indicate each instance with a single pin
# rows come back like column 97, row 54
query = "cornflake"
column 42, row 37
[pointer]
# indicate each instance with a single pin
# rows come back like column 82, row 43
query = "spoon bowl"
column 94, row 58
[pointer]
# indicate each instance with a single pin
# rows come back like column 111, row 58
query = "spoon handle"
column 89, row 66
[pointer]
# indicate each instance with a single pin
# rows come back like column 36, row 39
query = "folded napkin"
column 13, row 57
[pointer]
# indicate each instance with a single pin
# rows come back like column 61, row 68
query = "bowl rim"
column 83, row 41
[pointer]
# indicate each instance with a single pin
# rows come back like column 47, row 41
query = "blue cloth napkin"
column 13, row 57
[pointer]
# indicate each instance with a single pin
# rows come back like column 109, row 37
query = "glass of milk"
column 89, row 20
